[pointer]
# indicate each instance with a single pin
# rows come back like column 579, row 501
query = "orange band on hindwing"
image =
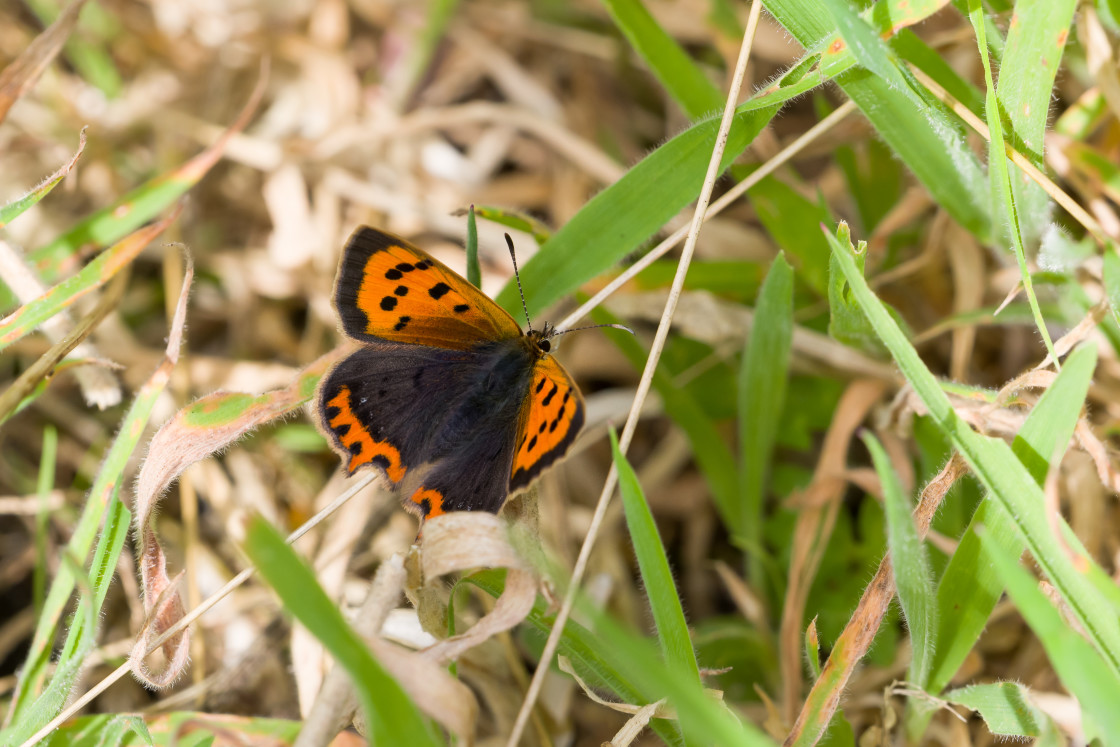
column 430, row 501
column 353, row 436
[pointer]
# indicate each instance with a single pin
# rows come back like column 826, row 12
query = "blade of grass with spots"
column 1002, row 195
column 1036, row 38
column 918, row 129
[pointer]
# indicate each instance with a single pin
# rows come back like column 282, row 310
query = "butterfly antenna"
column 516, row 274
column 623, row 327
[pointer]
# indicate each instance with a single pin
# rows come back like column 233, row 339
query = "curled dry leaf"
column 466, row 540
column 162, row 604
column 197, row 431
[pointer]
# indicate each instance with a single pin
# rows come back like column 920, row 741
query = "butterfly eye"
column 544, row 345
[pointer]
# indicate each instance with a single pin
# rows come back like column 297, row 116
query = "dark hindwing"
column 383, row 404
column 441, row 424
column 390, row 290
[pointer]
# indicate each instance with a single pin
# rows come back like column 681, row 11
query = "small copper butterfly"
column 447, row 395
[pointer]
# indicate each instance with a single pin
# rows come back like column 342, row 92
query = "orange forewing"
column 389, row 289
column 555, row 416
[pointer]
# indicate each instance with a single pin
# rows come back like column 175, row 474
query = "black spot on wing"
column 439, row 290
column 388, row 303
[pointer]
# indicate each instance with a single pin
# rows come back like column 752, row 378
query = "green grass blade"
column 514, row 219
column 617, row 220
column 763, row 379
column 1033, row 51
column 969, row 587
column 657, row 579
column 1005, row 707
column 99, row 500
column 474, row 273
column 1002, row 195
column 1005, row 477
column 912, row 574
column 671, row 65
column 392, row 718
column 82, row 635
column 43, row 488
column 1082, row 670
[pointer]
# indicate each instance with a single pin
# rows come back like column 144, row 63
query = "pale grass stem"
column 646, row 380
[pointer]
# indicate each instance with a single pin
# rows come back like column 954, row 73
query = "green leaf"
column 474, row 273
column 672, row 66
column 391, row 716
column 657, row 579
column 763, row 378
column 912, row 573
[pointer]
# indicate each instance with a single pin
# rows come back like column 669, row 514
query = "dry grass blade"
column 814, row 526
column 22, row 73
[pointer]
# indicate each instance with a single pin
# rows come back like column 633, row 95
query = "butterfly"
column 446, row 395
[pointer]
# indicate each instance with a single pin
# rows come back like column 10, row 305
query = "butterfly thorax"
column 494, row 399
